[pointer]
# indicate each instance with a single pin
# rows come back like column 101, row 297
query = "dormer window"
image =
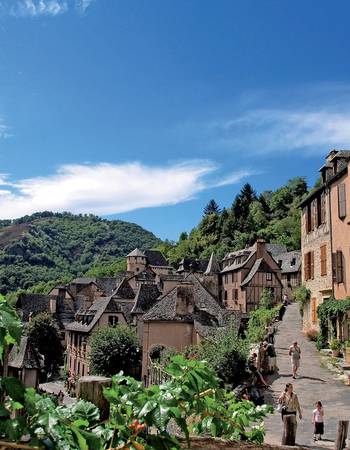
column 293, row 261
column 280, row 262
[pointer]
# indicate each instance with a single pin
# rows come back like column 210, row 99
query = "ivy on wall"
column 327, row 312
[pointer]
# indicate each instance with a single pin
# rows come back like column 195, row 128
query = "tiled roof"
column 285, row 260
column 95, row 311
column 156, row 258
column 171, row 277
column 195, row 265
column 253, row 271
column 107, row 284
column 213, row 266
column 24, row 356
column 165, row 308
column 146, row 297
column 82, row 281
column 136, row 252
column 32, row 304
column 124, row 291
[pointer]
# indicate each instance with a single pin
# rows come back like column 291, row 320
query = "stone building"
column 290, row 264
column 326, row 239
column 246, row 273
column 138, row 261
column 180, row 318
column 25, row 363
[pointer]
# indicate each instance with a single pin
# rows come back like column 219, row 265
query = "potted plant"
column 346, row 346
column 335, row 346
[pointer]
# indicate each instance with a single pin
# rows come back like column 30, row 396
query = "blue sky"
column 144, row 110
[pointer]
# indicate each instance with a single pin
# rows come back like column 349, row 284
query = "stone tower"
column 211, row 276
column 136, row 261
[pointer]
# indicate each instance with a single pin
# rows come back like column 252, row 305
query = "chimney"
column 260, row 248
column 184, row 299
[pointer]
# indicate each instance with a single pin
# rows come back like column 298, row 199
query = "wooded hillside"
column 272, row 215
column 48, row 246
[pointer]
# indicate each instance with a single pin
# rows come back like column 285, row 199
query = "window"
column 268, row 276
column 308, row 218
column 234, row 277
column 225, row 294
column 341, row 201
column 309, row 266
column 112, row 321
column 339, row 267
column 323, row 208
column 226, row 278
column 235, row 294
column 323, row 251
column 314, row 310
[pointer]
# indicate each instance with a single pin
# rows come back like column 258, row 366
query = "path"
column 314, row 383
column 54, row 387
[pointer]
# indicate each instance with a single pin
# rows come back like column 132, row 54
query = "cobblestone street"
column 313, row 383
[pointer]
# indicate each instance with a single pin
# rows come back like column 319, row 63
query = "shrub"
column 114, row 349
column 312, row 334
column 259, row 320
column 225, row 352
column 302, row 296
column 321, row 342
column 335, row 344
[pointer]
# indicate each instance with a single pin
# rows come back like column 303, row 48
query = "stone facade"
column 315, row 237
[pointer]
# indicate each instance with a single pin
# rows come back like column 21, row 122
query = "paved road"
column 54, row 387
column 314, row 383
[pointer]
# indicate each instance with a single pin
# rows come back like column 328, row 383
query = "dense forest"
column 49, row 246
column 272, row 215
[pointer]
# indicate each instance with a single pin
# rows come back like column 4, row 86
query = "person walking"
column 318, row 420
column 271, row 353
column 295, row 354
column 290, row 406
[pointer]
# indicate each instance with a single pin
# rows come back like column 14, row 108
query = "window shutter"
column 314, row 310
column 341, row 201
column 312, row 265
column 339, row 266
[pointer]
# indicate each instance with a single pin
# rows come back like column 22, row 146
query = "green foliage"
column 302, row 296
column 274, row 216
column 108, row 270
column 328, row 312
column 226, row 353
column 267, row 299
column 259, row 320
column 10, row 326
column 192, row 391
column 114, row 349
column 44, row 335
column 47, row 246
column 139, row 416
column 335, row 344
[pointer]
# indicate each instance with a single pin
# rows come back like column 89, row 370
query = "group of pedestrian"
column 289, row 405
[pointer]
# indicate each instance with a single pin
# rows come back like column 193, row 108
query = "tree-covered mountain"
column 53, row 246
column 272, row 215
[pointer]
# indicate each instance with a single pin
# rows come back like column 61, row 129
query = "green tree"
column 114, row 349
column 226, row 353
column 267, row 299
column 211, row 208
column 44, row 335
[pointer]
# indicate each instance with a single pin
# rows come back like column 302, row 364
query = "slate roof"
column 32, row 304
column 146, row 297
column 95, row 311
column 24, row 356
column 252, row 272
column 124, row 290
column 156, row 258
column 171, row 277
column 286, row 260
column 213, row 266
column 195, row 265
column 207, row 311
column 83, row 281
column 107, row 284
column 136, row 252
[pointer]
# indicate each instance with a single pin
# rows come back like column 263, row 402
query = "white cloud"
column 268, row 130
column 36, row 8
column 108, row 188
column 4, row 131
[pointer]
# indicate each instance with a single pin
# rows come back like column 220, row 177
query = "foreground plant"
column 140, row 418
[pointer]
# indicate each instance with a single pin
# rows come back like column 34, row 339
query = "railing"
column 156, row 373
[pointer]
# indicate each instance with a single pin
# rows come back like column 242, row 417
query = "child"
column 317, row 420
